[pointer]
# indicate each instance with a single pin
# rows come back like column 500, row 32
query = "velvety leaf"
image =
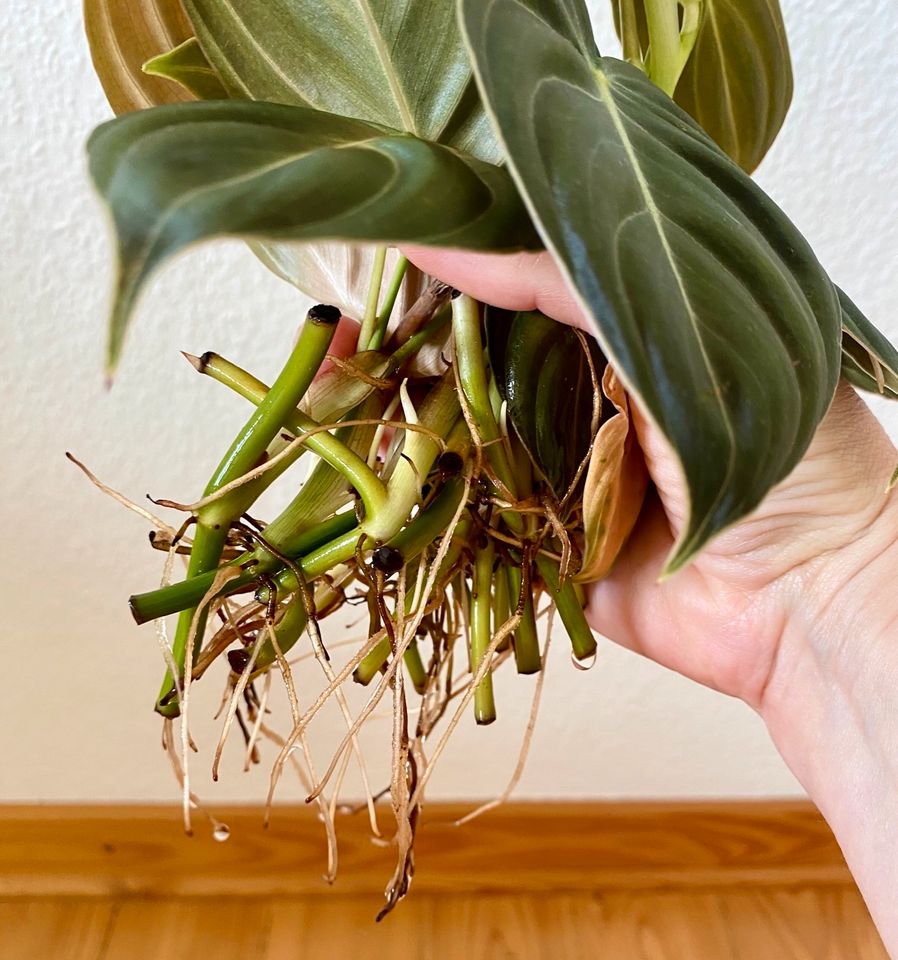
column 707, row 300
column 122, row 37
column 548, row 386
column 336, row 273
column 869, row 361
column 180, row 174
column 738, row 80
column 615, row 486
column 187, row 65
column 400, row 63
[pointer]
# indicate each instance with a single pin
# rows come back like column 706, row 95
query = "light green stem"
column 438, row 413
column 370, row 319
column 248, row 448
column 570, row 609
column 369, row 486
column 665, row 60
column 481, row 635
column 527, row 657
column 472, row 374
column 389, row 301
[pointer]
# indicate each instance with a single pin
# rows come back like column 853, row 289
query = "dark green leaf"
column 177, row 175
column 706, row 299
column 337, row 273
column 549, row 389
column 869, row 361
column 400, row 63
column 187, row 65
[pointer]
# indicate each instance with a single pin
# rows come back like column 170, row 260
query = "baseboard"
column 141, row 850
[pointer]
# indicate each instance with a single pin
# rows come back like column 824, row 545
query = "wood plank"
column 524, row 927
column 758, row 923
column 118, row 851
column 221, row 929
column 665, row 926
column 343, row 926
column 68, row 929
column 816, row 923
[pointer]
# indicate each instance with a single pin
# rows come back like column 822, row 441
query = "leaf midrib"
column 386, row 62
column 724, row 72
column 148, row 244
column 603, row 87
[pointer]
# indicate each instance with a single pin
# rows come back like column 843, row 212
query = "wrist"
column 831, row 704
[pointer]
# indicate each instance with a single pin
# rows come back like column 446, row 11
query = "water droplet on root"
column 586, row 664
column 221, row 832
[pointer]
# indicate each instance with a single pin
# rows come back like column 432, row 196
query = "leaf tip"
column 893, row 481
column 680, row 557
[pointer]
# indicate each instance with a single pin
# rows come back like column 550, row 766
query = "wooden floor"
column 814, row 923
column 630, row 881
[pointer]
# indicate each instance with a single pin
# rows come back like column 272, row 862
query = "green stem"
column 629, row 33
column 415, row 666
column 664, row 62
column 481, row 607
column 389, row 301
column 570, row 609
column 287, row 631
column 472, row 374
column 326, row 489
column 526, row 642
column 273, row 410
column 417, row 340
column 501, row 605
column 370, row 318
column 188, row 593
column 415, row 537
column 377, row 657
column 438, row 413
column 250, row 445
column 369, row 486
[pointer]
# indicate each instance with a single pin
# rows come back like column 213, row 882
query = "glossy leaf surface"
column 708, row 302
column 180, row 174
column 122, row 37
column 400, row 63
column 869, row 361
column 738, row 80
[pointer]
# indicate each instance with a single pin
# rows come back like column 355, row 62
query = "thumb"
column 513, row 281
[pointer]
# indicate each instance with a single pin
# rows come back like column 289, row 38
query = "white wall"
column 79, row 678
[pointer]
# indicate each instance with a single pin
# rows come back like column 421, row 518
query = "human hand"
column 793, row 609
column 722, row 619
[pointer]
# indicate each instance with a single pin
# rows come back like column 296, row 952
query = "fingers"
column 513, row 281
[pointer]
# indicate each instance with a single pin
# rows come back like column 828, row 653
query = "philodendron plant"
column 470, row 468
